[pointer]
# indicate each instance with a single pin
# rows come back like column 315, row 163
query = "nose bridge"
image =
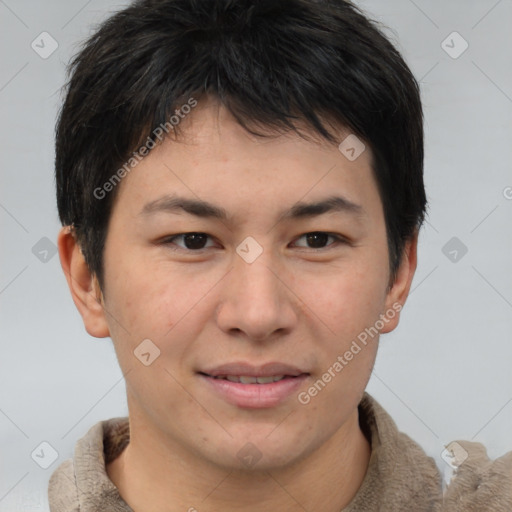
column 256, row 281
column 255, row 300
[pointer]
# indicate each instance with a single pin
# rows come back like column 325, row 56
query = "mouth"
column 248, row 379
column 254, row 387
column 247, row 371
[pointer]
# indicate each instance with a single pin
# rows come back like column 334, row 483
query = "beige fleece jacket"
column 400, row 476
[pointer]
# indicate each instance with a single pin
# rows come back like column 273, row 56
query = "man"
column 241, row 189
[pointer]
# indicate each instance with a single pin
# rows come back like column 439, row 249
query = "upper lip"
column 249, row 370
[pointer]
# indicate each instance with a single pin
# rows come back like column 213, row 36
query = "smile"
column 247, row 379
column 254, row 392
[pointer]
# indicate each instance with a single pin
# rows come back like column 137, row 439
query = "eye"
column 319, row 240
column 189, row 241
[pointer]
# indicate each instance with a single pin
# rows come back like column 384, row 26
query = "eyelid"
column 169, row 240
column 338, row 239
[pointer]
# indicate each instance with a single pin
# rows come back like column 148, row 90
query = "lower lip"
column 256, row 396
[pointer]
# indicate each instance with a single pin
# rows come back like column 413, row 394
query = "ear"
column 84, row 286
column 397, row 294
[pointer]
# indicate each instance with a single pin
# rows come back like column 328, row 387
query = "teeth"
column 278, row 377
column 265, row 380
column 246, row 379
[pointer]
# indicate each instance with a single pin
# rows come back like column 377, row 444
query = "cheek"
column 153, row 300
column 345, row 300
column 143, row 296
column 350, row 306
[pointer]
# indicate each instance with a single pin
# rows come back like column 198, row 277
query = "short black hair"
column 274, row 64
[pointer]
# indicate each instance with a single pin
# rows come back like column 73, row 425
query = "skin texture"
column 294, row 304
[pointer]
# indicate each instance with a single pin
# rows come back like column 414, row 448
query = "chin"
column 254, row 453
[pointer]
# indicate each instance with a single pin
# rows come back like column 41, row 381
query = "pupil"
column 317, row 239
column 194, row 240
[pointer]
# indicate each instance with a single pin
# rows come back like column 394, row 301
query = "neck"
column 151, row 474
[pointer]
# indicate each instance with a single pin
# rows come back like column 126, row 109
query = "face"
column 253, row 266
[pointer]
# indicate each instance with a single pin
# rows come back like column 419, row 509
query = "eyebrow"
column 204, row 209
column 331, row 204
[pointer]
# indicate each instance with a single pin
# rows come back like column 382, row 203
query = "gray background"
column 444, row 374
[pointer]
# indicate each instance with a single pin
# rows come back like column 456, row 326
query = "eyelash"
column 338, row 239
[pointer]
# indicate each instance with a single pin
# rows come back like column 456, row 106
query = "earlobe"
column 399, row 291
column 83, row 285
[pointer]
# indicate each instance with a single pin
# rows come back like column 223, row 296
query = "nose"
column 256, row 301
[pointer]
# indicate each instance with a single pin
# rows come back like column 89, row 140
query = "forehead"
column 214, row 157
column 213, row 128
